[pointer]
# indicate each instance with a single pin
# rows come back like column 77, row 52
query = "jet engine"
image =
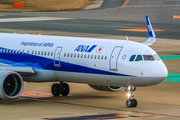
column 11, row 84
column 105, row 88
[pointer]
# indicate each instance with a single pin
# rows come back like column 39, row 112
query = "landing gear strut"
column 131, row 102
column 61, row 88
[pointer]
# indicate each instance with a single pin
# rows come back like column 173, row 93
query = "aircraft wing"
column 152, row 36
column 21, row 70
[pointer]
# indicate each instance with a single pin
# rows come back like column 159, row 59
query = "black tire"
column 55, row 89
column 135, row 102
column 130, row 103
column 65, row 91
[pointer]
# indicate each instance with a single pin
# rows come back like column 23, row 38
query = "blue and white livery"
column 151, row 34
column 106, row 65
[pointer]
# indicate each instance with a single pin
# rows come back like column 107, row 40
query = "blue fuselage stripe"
column 42, row 63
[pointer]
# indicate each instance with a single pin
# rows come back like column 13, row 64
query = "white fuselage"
column 82, row 60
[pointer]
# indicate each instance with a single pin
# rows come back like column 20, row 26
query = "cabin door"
column 114, row 58
column 57, row 56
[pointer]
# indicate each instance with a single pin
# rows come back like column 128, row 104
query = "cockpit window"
column 138, row 58
column 148, row 57
column 132, row 58
column 156, row 56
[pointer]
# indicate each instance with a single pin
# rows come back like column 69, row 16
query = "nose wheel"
column 131, row 102
column 62, row 88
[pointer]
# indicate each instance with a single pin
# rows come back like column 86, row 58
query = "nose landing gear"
column 131, row 102
column 61, row 88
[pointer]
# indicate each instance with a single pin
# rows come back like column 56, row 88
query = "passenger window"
column 91, row 56
column 88, row 56
column 85, row 56
column 22, row 51
column 16, row 51
column 132, row 58
column 32, row 52
column 71, row 54
column 10, row 51
column 1, row 50
column 74, row 55
column 148, row 57
column 7, row 51
column 51, row 53
column 81, row 55
column 42, row 53
column 98, row 56
column 105, row 57
column 35, row 52
column 39, row 53
column 102, row 57
column 64, row 54
column 68, row 55
column 19, row 51
column 138, row 58
column 28, row 52
column 78, row 56
column 4, row 50
column 48, row 53
column 45, row 53
column 13, row 51
column 95, row 57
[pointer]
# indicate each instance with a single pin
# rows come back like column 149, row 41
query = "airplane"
column 103, row 64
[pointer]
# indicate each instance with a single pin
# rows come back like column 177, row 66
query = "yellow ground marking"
column 149, row 116
column 35, row 94
column 125, row 3
column 137, row 30
column 121, row 115
column 176, row 16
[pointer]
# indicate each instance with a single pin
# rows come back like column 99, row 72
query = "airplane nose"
column 159, row 72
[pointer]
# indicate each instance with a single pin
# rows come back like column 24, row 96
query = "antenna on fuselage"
column 127, row 38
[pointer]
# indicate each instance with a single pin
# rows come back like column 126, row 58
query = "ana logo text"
column 85, row 48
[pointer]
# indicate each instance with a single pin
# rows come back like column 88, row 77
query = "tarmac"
column 113, row 21
column 36, row 103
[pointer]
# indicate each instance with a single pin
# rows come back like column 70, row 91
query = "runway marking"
column 125, row 3
column 32, row 19
column 176, row 16
column 94, row 117
column 170, row 57
column 35, row 94
column 173, row 77
column 149, row 116
column 138, row 30
column 138, row 6
column 105, row 108
column 81, row 105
